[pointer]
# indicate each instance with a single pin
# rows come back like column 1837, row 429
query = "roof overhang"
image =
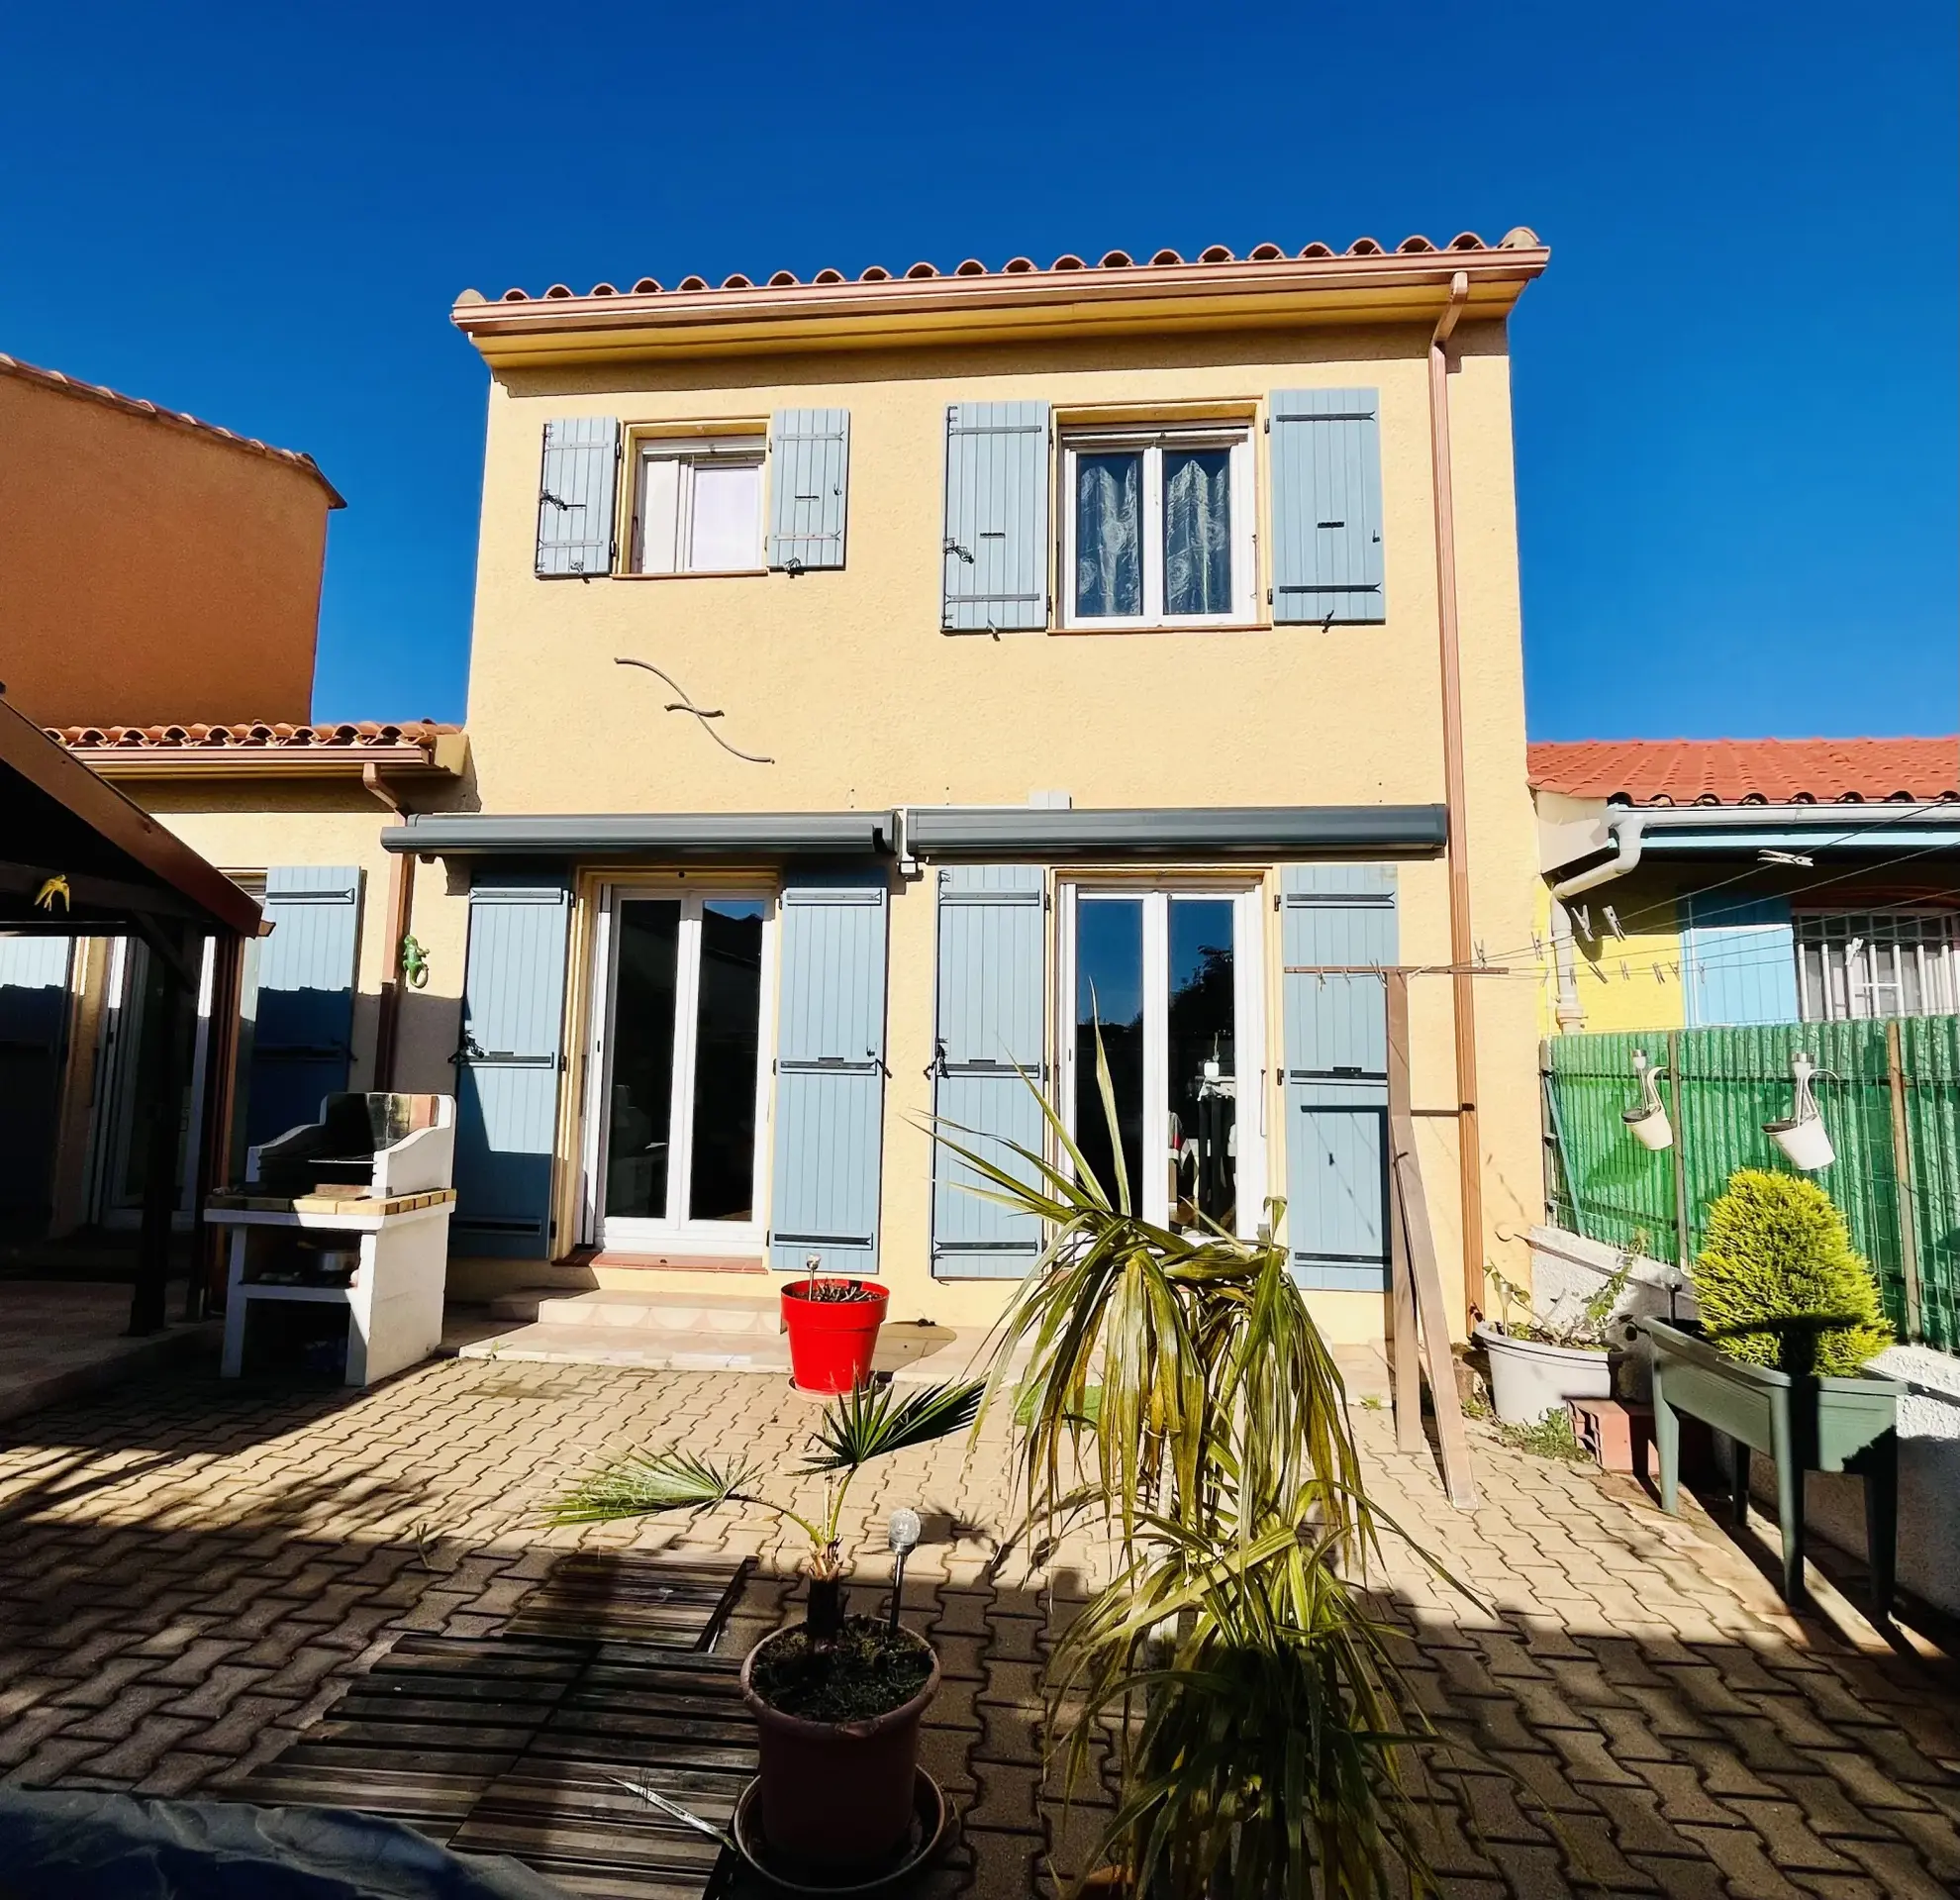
column 1380, row 287
column 442, row 762
column 1172, row 833
column 763, row 837
column 1860, row 829
column 118, row 869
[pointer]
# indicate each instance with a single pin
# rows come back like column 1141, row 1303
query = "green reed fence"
column 1892, row 1087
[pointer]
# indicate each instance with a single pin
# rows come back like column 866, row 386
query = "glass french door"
column 675, row 1153
column 1170, row 980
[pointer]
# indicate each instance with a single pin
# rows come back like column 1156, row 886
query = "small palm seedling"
column 855, row 1428
column 837, row 1700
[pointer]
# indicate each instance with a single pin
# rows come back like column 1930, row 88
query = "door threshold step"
column 659, row 1350
column 911, row 1352
column 632, row 1306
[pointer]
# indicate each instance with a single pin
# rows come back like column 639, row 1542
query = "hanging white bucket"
column 1804, row 1144
column 1650, row 1126
column 1648, row 1123
column 1803, row 1139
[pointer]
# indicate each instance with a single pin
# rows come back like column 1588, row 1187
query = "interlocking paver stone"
column 192, row 1575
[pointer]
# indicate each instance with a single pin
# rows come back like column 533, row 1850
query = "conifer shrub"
column 1779, row 1283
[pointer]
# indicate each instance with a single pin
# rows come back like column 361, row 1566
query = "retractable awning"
column 758, row 835
column 1162, row 833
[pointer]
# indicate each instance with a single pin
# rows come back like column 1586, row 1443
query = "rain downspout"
column 1626, row 834
column 1462, row 945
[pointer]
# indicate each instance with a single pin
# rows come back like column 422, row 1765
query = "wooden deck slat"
column 509, row 1744
column 619, row 1596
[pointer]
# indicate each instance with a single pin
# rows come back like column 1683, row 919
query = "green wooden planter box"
column 1800, row 1424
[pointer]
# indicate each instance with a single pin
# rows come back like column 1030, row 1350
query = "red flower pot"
column 832, row 1341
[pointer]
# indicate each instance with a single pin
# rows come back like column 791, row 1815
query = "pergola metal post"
column 162, row 1068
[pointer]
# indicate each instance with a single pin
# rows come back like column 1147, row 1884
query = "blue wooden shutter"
column 1738, row 960
column 576, row 486
column 830, row 1074
column 997, row 517
column 1337, row 1074
column 508, row 1065
column 992, row 936
column 811, row 454
column 302, row 1042
column 1327, row 475
column 34, row 1034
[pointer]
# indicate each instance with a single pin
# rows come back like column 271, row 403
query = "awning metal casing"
column 939, row 831
column 1176, row 832
column 658, row 835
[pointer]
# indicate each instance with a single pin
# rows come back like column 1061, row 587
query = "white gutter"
column 1850, row 824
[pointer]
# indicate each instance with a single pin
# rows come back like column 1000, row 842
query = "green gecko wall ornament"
column 415, row 964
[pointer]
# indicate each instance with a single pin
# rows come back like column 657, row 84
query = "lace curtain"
column 1109, row 535
column 1197, row 531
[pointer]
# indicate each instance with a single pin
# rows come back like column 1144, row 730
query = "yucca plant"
column 871, row 1422
column 1174, row 1388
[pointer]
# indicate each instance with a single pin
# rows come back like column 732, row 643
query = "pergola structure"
column 79, row 859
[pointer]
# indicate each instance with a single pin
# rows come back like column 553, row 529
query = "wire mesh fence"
column 1889, row 1096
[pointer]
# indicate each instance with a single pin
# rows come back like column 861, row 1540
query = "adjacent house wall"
column 150, row 572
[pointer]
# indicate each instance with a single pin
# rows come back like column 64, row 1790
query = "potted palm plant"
column 1789, row 1317
column 838, row 1699
column 1172, row 1392
column 1540, row 1361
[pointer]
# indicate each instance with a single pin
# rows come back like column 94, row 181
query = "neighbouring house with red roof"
column 1700, row 882
column 159, row 594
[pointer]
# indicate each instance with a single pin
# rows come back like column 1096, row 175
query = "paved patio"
column 189, row 1573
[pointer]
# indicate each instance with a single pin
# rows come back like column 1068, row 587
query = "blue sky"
column 1735, row 387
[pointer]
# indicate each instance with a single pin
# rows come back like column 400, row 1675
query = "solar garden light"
column 903, row 1532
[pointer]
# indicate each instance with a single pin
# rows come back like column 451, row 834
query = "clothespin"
column 1482, row 959
column 1597, row 971
column 1623, row 969
column 1676, row 968
column 1613, row 923
column 1582, row 922
column 1537, row 947
column 1658, row 977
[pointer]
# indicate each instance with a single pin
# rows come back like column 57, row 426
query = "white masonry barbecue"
column 351, row 1211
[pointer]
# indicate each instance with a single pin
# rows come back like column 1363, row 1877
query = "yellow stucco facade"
column 846, row 683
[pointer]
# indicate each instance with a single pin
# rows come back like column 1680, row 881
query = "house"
column 882, row 687
column 159, row 589
column 1701, row 882
column 138, row 544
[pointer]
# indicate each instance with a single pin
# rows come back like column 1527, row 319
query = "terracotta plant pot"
column 832, row 1341
column 837, row 1797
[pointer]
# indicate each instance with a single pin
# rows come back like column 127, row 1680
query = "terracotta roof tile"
column 1742, row 772
column 1521, row 238
column 351, row 736
column 176, row 418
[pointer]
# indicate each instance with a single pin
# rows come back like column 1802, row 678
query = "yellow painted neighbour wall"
column 252, row 827
column 846, row 683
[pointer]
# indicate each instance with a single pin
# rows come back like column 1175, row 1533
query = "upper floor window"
column 1852, row 967
column 1157, row 527
column 697, row 506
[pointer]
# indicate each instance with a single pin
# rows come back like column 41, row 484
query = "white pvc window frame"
column 674, row 1231
column 665, row 477
column 1254, row 1170
column 1151, row 443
